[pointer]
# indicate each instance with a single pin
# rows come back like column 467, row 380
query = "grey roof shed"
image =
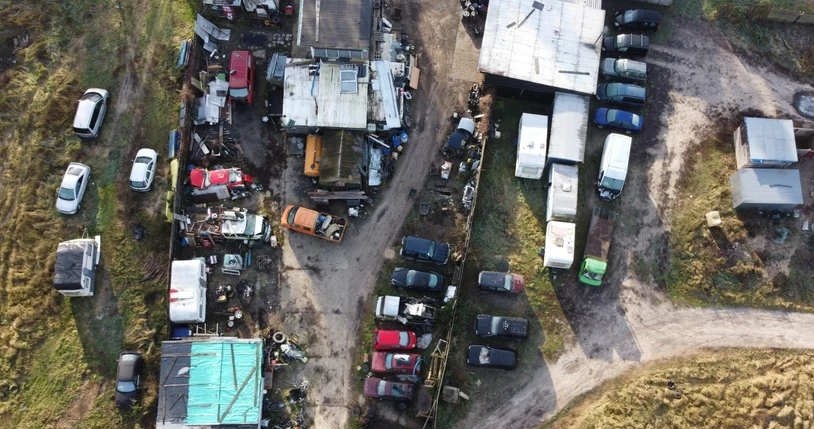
column 765, row 143
column 766, row 189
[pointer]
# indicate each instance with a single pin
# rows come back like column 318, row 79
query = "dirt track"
column 702, row 79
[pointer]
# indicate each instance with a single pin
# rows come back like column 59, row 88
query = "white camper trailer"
column 569, row 128
column 188, row 291
column 532, row 140
column 563, row 183
column 559, row 244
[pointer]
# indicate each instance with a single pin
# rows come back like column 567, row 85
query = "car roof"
column 239, row 62
column 127, row 365
column 139, row 172
column 84, row 109
column 72, row 173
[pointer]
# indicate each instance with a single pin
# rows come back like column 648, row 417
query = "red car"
column 385, row 339
column 383, row 389
column 396, row 363
column 233, row 178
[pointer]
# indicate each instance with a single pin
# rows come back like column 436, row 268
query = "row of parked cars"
column 90, row 113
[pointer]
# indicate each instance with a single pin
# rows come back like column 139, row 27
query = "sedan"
column 143, row 171
column 395, row 363
column 501, row 326
column 501, row 282
column 422, row 249
column 128, row 379
column 378, row 388
column 617, row 119
column 90, row 112
column 72, row 188
column 387, row 339
column 491, row 357
column 418, row 280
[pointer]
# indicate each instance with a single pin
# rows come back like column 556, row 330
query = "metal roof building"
column 333, row 24
column 766, row 143
column 553, row 43
column 210, row 383
column 766, row 189
column 325, row 94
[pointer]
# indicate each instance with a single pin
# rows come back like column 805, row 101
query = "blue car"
column 617, row 119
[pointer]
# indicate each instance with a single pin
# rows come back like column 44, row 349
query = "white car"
column 143, row 171
column 72, row 189
column 90, row 112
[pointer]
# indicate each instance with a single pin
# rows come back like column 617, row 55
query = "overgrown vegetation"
column 722, row 389
column 57, row 356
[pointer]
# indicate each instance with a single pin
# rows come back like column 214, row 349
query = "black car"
column 501, row 326
column 637, row 19
column 626, row 45
column 409, row 278
column 422, row 249
column 128, row 378
column 492, row 357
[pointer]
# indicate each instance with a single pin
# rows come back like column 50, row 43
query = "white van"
column 613, row 166
column 188, row 291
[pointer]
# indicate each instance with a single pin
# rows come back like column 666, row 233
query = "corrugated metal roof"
column 553, row 43
column 569, row 127
column 333, row 24
column 766, row 188
column 315, row 99
column 770, row 139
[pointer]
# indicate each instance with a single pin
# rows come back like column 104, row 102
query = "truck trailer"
column 595, row 262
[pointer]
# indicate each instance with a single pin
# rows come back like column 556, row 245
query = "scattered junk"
column 232, row 264
column 75, row 266
column 408, row 311
column 220, row 184
column 215, row 226
column 713, row 219
column 311, row 222
column 446, row 169
column 468, row 196
column 138, row 232
column 285, row 348
column 223, row 293
column 456, row 144
column 453, row 394
column 781, row 233
column 474, row 15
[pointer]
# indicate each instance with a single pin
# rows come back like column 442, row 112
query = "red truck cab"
column 241, row 76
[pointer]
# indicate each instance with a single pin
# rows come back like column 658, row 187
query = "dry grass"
column 722, row 389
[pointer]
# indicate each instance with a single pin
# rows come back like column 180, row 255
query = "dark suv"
column 637, row 19
column 128, row 379
column 625, row 94
column 501, row 326
column 628, row 45
column 492, row 357
column 422, row 249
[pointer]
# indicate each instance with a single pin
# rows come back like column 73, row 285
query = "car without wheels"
column 501, row 282
column 501, row 326
column 378, row 388
column 491, row 357
column 408, row 278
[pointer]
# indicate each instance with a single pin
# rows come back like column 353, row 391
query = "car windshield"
column 635, row 120
column 66, row 194
column 138, row 184
column 126, row 387
column 612, row 115
column 239, row 92
column 381, row 388
column 611, row 183
column 142, row 160
column 507, row 282
column 404, row 339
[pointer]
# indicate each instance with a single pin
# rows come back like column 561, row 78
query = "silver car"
column 72, row 188
column 143, row 171
column 90, row 112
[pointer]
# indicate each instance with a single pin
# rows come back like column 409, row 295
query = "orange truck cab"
column 241, row 76
column 312, row 222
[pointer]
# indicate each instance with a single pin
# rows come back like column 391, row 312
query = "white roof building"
column 553, row 43
column 764, row 142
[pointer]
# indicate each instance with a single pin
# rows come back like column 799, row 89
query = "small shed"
column 563, row 184
column 569, row 128
column 766, row 189
column 765, row 143
column 532, row 140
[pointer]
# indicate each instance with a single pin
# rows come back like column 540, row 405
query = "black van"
column 637, row 19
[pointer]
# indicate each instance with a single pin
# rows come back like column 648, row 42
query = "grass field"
column 720, row 389
column 57, row 356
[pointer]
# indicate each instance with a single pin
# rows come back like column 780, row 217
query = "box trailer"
column 559, row 244
column 563, row 184
column 569, row 128
column 75, row 266
column 532, row 139
column 187, row 294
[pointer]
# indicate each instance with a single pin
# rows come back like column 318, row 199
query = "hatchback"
column 492, row 357
column 72, row 188
column 90, row 112
column 501, row 282
column 617, row 119
column 422, row 249
column 625, row 94
column 629, row 45
column 386, row 339
column 128, row 378
column 143, row 171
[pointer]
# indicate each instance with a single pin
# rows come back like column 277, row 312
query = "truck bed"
column 600, row 233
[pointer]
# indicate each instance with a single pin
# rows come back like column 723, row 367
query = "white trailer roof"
column 186, row 295
column 562, row 192
column 551, row 42
column 332, row 96
column 766, row 188
column 532, row 139
column 559, row 244
column 569, row 128
column 770, row 139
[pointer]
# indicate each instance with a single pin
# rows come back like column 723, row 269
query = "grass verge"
column 717, row 389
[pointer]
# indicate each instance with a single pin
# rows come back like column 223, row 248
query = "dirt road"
column 327, row 302
column 699, row 78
